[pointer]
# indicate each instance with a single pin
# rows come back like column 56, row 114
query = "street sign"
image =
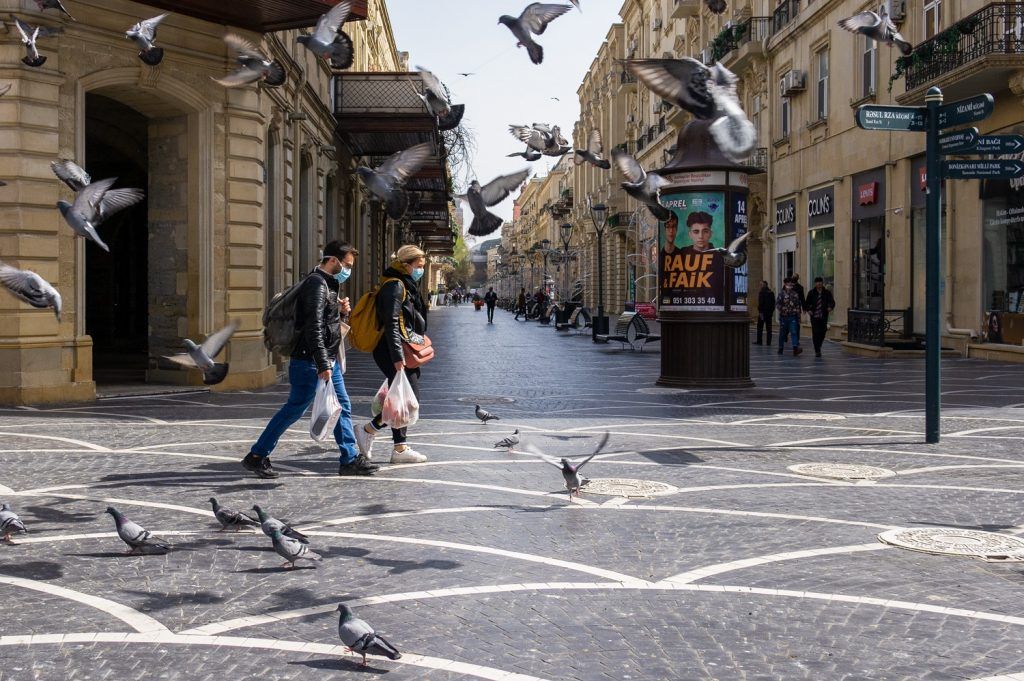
column 966, row 111
column 999, row 144
column 982, row 170
column 880, row 117
column 959, row 141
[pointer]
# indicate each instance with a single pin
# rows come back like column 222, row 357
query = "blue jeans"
column 789, row 324
column 303, row 379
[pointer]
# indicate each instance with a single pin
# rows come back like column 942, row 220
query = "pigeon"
column 436, row 99
column 71, row 174
column 466, row 75
column 571, row 472
column 253, row 65
column 732, row 254
column 642, row 186
column 715, row 6
column 4, row 89
column 485, row 415
column 53, row 4
column 361, row 638
column 29, row 287
column 733, row 132
column 386, row 181
column 541, row 137
column 877, row 27
column 534, row 19
column 494, row 192
column 10, row 523
column 201, row 356
column 510, row 442
column 529, row 154
column 328, row 41
column 29, row 35
column 292, row 550
column 94, row 204
column 577, row 3
column 228, row 517
column 138, row 538
column 592, row 154
column 144, row 33
column 269, row 524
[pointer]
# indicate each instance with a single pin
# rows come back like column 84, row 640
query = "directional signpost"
column 958, row 142
column 982, row 170
column 999, row 144
column 875, row 117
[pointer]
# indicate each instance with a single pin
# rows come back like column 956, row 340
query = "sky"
column 452, row 36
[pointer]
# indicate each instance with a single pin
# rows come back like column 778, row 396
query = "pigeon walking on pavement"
column 144, row 35
column 230, row 518
column 509, row 443
column 494, row 192
column 593, row 151
column 387, row 180
column 10, row 523
column 29, row 35
column 328, row 41
column 29, row 287
column 201, row 356
column 269, row 524
column 253, row 66
column 878, row 27
column 361, row 638
column 138, row 538
column 570, row 471
column 44, row 5
column 534, row 20
column 94, row 204
column 485, row 415
column 643, row 186
column 292, row 550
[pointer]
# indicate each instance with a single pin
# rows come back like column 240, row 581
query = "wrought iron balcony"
column 784, row 14
column 759, row 159
column 878, row 327
column 735, row 45
column 262, row 16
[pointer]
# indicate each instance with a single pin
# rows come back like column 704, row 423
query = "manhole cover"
column 950, row 541
column 662, row 391
column 484, row 399
column 626, row 487
column 842, row 471
column 812, row 417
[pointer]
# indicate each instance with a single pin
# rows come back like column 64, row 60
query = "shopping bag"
column 377, row 406
column 326, row 411
column 401, row 408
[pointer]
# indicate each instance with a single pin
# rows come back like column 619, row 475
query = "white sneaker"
column 364, row 440
column 407, row 455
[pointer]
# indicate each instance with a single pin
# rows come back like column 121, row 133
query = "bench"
column 547, row 314
column 632, row 330
column 574, row 320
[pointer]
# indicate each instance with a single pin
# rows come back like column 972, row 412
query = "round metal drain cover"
column 484, row 399
column 627, row 487
column 950, row 541
column 841, row 471
column 662, row 391
column 801, row 416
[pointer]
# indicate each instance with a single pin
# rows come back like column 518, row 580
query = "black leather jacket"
column 393, row 313
column 318, row 315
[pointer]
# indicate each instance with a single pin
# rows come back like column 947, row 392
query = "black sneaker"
column 260, row 465
column 358, row 467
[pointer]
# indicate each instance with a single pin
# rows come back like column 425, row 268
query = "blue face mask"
column 417, row 274
column 343, row 275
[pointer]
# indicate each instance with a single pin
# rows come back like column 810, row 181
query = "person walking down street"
column 403, row 317
column 819, row 305
column 315, row 358
column 799, row 288
column 788, row 304
column 765, row 313
column 521, row 304
column 490, row 300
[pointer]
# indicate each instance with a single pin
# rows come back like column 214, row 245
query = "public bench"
column 631, row 330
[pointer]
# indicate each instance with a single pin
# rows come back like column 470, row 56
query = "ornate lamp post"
column 565, row 230
column 598, row 215
column 545, row 248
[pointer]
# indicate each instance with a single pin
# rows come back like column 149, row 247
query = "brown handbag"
column 418, row 354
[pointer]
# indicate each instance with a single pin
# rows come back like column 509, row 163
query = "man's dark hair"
column 672, row 218
column 339, row 250
column 787, row 280
column 817, row 279
column 699, row 218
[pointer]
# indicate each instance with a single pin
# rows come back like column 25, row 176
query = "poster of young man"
column 691, row 274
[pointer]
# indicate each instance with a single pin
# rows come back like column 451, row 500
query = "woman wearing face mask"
column 402, row 313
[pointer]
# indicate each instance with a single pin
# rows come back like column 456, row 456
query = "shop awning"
column 263, row 16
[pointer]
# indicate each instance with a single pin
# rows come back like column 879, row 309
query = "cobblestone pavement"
column 476, row 565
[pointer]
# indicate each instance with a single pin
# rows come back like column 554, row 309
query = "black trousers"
column 819, row 327
column 383, row 359
column 764, row 323
column 490, row 313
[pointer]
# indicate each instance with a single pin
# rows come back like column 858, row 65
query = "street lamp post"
column 545, row 249
column 598, row 214
column 567, row 305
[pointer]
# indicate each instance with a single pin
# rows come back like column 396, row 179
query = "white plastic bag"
column 401, row 408
column 326, row 411
column 377, row 406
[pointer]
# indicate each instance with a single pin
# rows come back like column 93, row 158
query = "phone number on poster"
column 694, row 301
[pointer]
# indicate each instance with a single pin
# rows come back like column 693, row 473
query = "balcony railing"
column 878, row 327
column 759, row 159
column 734, row 37
column 784, row 13
column 994, row 29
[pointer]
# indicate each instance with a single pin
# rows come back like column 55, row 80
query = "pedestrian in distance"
column 403, row 317
column 819, row 305
column 799, row 288
column 521, row 304
column 765, row 313
column 788, row 305
column 318, row 312
column 490, row 300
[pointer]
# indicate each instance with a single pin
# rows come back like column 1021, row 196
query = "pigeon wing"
column 329, row 23
column 597, row 450
column 500, row 187
column 24, row 29
column 243, row 47
column 71, row 174
column 734, row 246
column 405, row 164
column 531, row 136
column 87, row 200
column 243, row 76
column 23, row 284
column 594, row 144
column 538, row 15
column 215, row 342
column 629, row 167
column 431, row 82
column 183, row 359
column 681, row 81
column 860, row 22
column 147, row 28
column 115, row 200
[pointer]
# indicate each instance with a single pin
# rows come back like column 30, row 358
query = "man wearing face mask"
column 318, row 312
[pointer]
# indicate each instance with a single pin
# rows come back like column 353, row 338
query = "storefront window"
column 869, row 264
column 1003, row 219
column 823, row 255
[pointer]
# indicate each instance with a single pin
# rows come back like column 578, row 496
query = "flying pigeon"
column 577, row 3
column 494, row 192
column 228, row 517
column 10, row 523
column 361, row 638
column 642, row 186
column 529, row 154
column 466, row 75
column 716, row 6
column 29, row 35
column 29, row 287
column 328, row 41
column 144, row 35
column 877, row 27
column 53, row 4
column 485, row 415
column 436, row 99
column 95, row 203
column 253, row 65
column 71, row 174
column 201, row 356
column 510, row 442
column 592, row 154
column 292, row 550
column 386, row 181
column 4, row 89
column 534, row 19
column 571, row 472
column 732, row 254
column 269, row 524
column 733, row 132
column 138, row 538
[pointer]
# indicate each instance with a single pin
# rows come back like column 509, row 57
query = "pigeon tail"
column 397, row 204
column 275, row 75
column 380, row 646
column 660, row 212
column 904, row 47
column 342, row 52
column 716, row 6
column 735, row 136
column 38, row 61
column 215, row 374
column 153, row 56
column 296, row 535
column 485, row 224
column 535, row 51
column 604, row 164
column 451, row 120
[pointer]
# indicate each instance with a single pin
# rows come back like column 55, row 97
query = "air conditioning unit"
column 656, row 24
column 792, row 81
column 899, row 10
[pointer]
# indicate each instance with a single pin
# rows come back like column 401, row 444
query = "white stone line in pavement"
column 114, row 500
column 136, row 620
column 453, row 483
column 933, row 469
column 148, row 419
column 399, row 514
column 277, row 645
column 691, row 576
column 901, row 452
column 993, row 490
column 753, row 514
column 966, row 433
column 1003, row 677
column 46, row 539
column 68, row 440
column 814, row 440
column 6, row 490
